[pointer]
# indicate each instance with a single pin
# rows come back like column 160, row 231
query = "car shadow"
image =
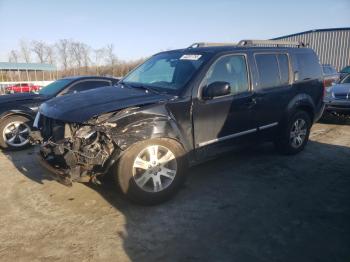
column 26, row 162
column 333, row 119
column 255, row 205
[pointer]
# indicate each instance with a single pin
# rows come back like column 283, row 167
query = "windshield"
column 346, row 80
column 345, row 70
column 55, row 87
column 166, row 72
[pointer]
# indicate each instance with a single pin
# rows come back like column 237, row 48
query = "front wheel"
column 15, row 132
column 295, row 135
column 152, row 171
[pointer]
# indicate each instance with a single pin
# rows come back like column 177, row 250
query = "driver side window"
column 231, row 69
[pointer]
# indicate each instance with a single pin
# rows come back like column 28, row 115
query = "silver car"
column 337, row 97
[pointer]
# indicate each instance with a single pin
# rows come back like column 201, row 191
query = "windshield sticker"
column 190, row 57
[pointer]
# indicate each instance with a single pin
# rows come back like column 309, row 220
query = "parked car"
column 22, row 88
column 180, row 108
column 344, row 72
column 330, row 75
column 17, row 111
column 337, row 97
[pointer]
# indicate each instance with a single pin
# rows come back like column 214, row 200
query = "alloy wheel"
column 154, row 168
column 298, row 133
column 16, row 134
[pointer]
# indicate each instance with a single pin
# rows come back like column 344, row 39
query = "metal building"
column 331, row 45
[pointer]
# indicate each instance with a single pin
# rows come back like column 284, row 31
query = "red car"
column 22, row 88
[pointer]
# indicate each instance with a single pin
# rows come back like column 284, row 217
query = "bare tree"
column 76, row 55
column 25, row 51
column 85, row 53
column 39, row 48
column 63, row 52
column 110, row 56
column 100, row 55
column 50, row 54
column 13, row 56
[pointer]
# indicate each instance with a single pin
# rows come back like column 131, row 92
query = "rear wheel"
column 15, row 132
column 295, row 135
column 151, row 171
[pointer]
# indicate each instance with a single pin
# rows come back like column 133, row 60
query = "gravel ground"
column 253, row 205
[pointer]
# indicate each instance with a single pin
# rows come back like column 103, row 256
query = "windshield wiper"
column 140, row 86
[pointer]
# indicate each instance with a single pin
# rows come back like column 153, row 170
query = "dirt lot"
column 250, row 206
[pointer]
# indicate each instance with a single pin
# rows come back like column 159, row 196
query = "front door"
column 223, row 120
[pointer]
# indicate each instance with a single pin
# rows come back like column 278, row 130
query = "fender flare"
column 301, row 102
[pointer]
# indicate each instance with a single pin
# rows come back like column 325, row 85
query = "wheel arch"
column 141, row 124
column 302, row 102
column 13, row 112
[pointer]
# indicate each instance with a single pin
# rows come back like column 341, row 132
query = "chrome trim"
column 268, row 126
column 227, row 137
column 36, row 120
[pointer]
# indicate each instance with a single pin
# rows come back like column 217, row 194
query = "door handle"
column 251, row 102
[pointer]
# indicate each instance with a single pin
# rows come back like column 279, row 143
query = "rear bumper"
column 340, row 106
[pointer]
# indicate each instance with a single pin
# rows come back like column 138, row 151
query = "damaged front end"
column 75, row 152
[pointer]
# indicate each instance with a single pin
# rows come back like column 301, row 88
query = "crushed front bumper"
column 59, row 175
column 63, row 176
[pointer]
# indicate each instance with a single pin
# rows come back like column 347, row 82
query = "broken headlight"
column 85, row 132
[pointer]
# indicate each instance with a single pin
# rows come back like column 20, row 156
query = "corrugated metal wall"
column 331, row 46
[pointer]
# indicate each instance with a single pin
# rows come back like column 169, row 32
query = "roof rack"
column 276, row 43
column 206, row 44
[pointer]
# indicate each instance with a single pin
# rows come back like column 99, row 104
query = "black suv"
column 181, row 107
column 17, row 111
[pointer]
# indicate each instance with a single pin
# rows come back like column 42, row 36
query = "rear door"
column 274, row 88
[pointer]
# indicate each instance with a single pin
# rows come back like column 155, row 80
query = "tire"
column 286, row 141
column 152, row 187
column 23, row 125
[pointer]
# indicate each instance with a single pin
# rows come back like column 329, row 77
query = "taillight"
column 324, row 87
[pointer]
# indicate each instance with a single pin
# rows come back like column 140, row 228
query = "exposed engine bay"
column 75, row 150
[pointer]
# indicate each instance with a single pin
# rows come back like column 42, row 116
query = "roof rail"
column 270, row 42
column 206, row 44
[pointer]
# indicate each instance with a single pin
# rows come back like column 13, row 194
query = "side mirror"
column 216, row 89
column 296, row 76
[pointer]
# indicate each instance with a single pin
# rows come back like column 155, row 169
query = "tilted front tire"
column 152, row 171
column 14, row 132
column 294, row 135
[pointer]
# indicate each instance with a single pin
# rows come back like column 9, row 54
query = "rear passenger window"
column 284, row 68
column 308, row 66
column 273, row 70
column 268, row 70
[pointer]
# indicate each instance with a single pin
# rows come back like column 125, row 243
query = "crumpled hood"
column 20, row 97
column 82, row 106
column 341, row 89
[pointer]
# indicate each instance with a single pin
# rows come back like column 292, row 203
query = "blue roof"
column 312, row 31
column 6, row 66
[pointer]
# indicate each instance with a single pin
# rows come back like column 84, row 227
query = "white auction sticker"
column 190, row 57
